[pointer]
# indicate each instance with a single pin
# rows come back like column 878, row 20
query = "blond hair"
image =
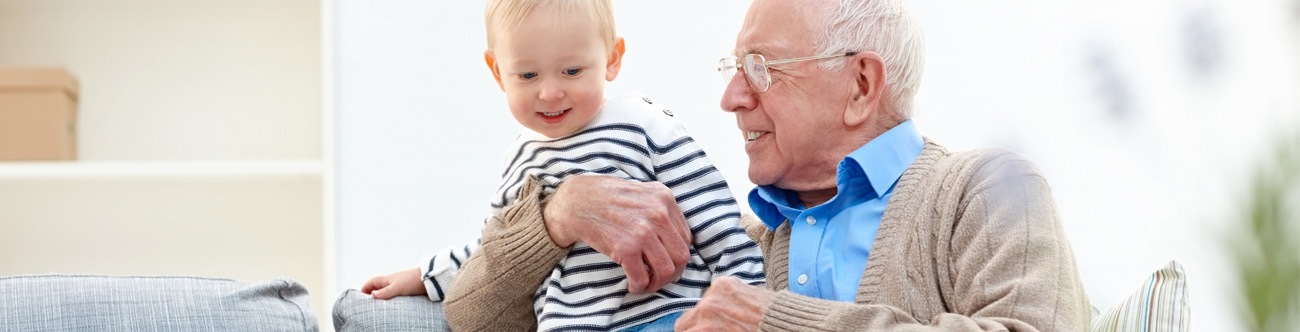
column 503, row 16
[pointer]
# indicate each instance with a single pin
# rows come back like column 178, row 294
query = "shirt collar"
column 771, row 204
column 885, row 157
column 882, row 161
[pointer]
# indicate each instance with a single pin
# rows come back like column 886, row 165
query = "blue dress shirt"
column 829, row 243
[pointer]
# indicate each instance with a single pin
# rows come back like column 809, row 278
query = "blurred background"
column 359, row 136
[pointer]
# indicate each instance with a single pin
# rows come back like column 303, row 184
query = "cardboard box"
column 38, row 114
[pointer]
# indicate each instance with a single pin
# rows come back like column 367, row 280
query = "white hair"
column 886, row 27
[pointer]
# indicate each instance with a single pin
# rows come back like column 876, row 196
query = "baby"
column 552, row 59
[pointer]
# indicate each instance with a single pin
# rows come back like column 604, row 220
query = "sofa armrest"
column 165, row 303
column 355, row 311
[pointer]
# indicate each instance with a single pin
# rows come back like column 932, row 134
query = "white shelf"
column 247, row 220
column 183, row 156
column 159, row 169
column 180, row 80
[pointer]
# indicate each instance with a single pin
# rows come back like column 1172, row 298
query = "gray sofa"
column 358, row 312
column 176, row 303
column 104, row 303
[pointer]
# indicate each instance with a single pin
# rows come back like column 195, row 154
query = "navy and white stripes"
column 636, row 140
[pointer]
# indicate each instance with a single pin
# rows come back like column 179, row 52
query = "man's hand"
column 638, row 224
column 400, row 283
column 728, row 305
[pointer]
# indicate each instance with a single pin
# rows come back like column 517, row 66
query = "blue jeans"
column 663, row 324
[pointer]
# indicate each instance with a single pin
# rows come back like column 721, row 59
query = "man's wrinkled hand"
column 637, row 224
column 728, row 305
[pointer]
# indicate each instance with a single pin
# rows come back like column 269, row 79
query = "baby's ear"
column 615, row 60
column 492, row 66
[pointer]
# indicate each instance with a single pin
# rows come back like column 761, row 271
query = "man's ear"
column 492, row 65
column 615, row 60
column 869, row 87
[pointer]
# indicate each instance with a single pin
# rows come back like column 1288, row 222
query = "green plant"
column 1267, row 251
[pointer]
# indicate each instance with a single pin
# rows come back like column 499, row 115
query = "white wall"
column 1147, row 150
column 1146, row 147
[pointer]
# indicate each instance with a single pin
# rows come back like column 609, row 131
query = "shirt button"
column 803, row 279
column 811, row 221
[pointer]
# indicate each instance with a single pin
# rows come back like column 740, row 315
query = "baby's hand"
column 400, row 283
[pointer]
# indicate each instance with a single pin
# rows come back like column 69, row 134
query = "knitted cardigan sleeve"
column 1006, row 266
column 494, row 289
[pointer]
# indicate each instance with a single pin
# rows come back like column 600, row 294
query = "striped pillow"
column 1159, row 306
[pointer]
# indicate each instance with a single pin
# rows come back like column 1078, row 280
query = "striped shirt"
column 631, row 138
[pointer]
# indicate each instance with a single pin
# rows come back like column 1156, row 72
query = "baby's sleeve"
column 439, row 271
column 710, row 209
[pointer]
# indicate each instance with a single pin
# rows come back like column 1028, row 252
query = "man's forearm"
column 793, row 312
column 494, row 289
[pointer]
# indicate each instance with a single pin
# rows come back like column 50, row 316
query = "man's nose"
column 738, row 96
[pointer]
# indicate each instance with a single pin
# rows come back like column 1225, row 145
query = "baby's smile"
column 554, row 117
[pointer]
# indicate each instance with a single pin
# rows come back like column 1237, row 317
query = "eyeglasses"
column 755, row 68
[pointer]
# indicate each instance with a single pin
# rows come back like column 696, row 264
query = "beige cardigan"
column 968, row 242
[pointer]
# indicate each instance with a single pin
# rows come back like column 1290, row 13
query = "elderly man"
column 864, row 224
